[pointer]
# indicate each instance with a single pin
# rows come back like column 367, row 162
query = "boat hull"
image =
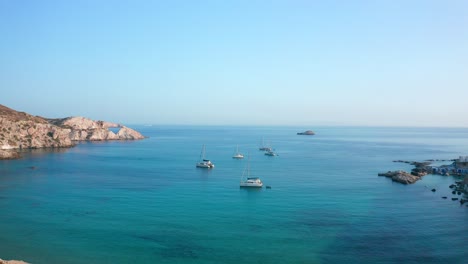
column 205, row 165
column 251, row 182
column 264, row 148
column 250, row 185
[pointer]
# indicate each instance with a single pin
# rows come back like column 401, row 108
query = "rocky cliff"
column 19, row 130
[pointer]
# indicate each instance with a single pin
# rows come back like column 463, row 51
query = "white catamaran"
column 238, row 155
column 247, row 181
column 204, row 163
column 263, row 147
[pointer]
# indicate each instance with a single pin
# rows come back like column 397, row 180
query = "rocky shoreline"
column 12, row 262
column 19, row 130
column 458, row 168
column 9, row 154
column 401, row 176
column 420, row 169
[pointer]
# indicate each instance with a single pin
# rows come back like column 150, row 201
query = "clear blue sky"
column 391, row 63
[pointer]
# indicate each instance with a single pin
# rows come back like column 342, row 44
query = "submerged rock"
column 9, row 154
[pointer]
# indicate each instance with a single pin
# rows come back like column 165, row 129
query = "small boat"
column 247, row 181
column 270, row 152
column 238, row 155
column 204, row 163
column 263, row 147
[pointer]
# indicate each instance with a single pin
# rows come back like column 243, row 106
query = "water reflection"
column 41, row 151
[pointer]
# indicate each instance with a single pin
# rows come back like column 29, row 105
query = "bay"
column 144, row 201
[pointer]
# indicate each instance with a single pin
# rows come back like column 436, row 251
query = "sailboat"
column 204, row 163
column 263, row 147
column 238, row 155
column 270, row 152
column 247, row 181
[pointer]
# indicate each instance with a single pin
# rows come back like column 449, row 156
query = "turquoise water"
column 145, row 202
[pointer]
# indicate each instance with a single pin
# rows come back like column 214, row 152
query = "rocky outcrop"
column 308, row 133
column 401, row 176
column 19, row 130
column 8, row 154
column 420, row 169
column 86, row 129
column 128, row 133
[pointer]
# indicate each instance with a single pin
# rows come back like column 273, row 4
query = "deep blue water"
column 145, row 202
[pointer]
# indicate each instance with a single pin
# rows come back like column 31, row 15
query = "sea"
column 145, row 201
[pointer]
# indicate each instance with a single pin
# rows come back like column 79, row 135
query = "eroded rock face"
column 86, row 129
column 102, row 134
column 31, row 134
column 128, row 133
column 405, row 178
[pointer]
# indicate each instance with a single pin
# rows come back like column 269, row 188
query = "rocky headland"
column 19, row 130
column 82, row 128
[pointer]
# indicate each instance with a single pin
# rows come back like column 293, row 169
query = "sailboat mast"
column 202, row 154
column 248, row 166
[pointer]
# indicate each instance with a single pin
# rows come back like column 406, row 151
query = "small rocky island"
column 307, row 133
column 19, row 130
column 420, row 169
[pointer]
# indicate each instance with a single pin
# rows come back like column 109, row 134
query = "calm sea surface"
column 145, row 202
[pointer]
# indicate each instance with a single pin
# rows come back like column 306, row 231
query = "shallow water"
column 118, row 202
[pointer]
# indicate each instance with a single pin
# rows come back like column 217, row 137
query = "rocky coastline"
column 12, row 262
column 457, row 168
column 19, row 130
column 401, row 176
column 420, row 170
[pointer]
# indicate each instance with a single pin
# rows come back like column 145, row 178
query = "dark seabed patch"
column 392, row 241
column 324, row 218
column 172, row 245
